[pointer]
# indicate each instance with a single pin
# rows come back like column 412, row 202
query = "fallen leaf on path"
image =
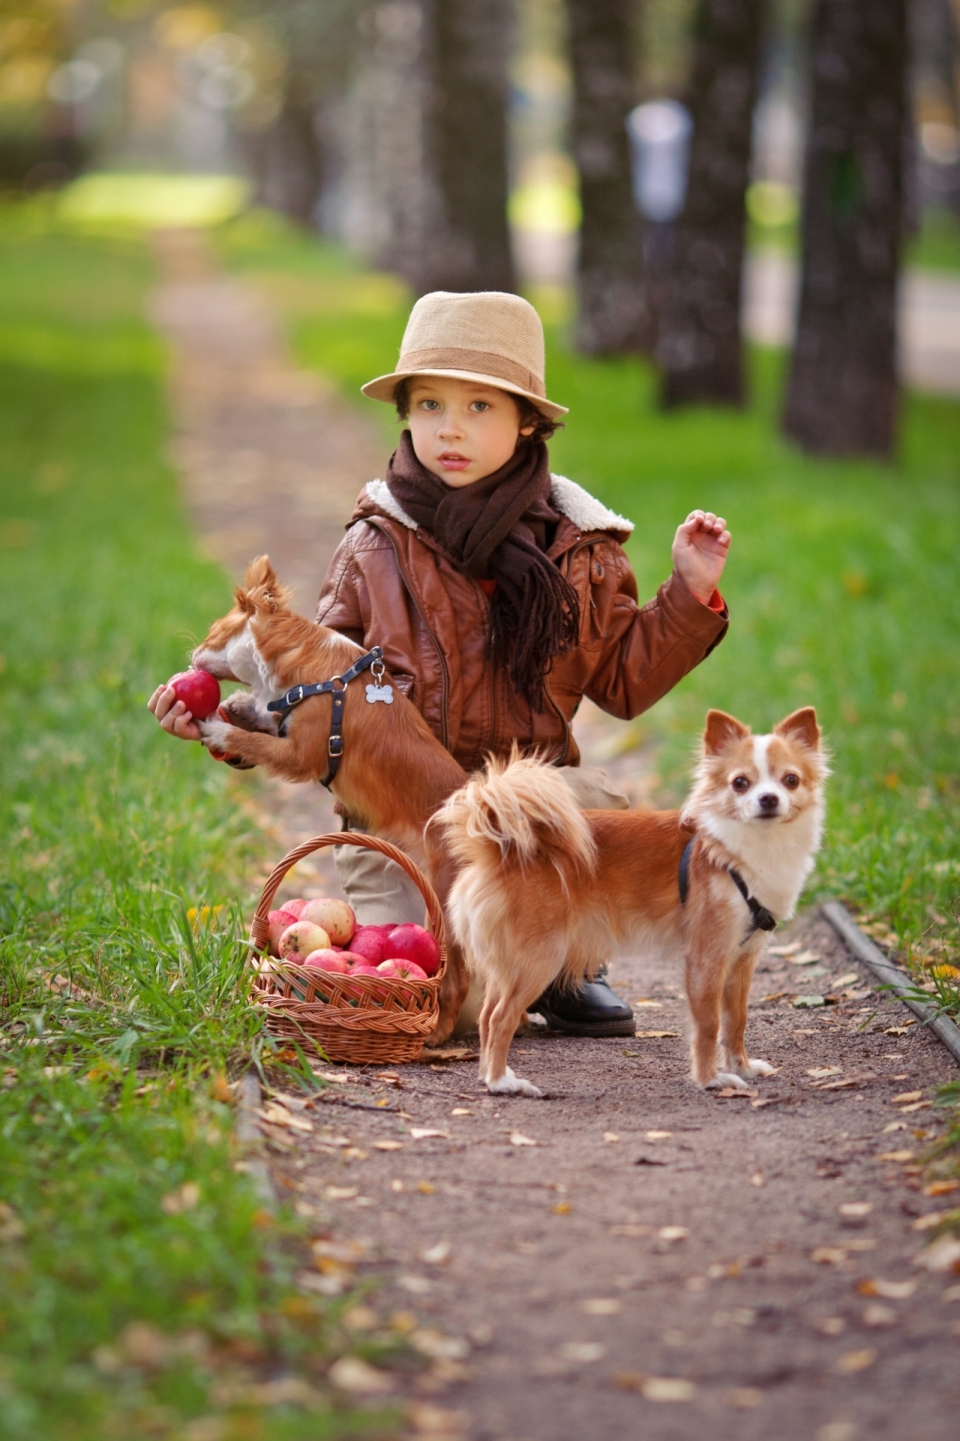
column 562, row 1208
column 808, row 1003
column 775, row 996
column 847, row 979
column 353, row 1374
column 916, row 1106
column 610, row 1136
column 426, row 1188
column 416, row 1285
column 863, row 1243
column 438, row 1346
column 649, row 1005
column 842, row 1085
column 423, row 1133
column 805, row 958
column 828, row 1255
column 354, row 1153
column 659, row 1135
column 757, row 1179
column 819, row 1073
column 790, row 950
column 437, row 1255
column 852, row 1361
column 396, row 1186
column 906, row 1096
column 733, row 1093
column 744, row 1398
column 763, row 1101
column 452, row 1053
column 673, row 1233
column 657, row 1035
column 895, row 1156
column 941, row 1255
column 462, row 1111
column 336, row 1078
column 889, row 1290
column 941, row 1188
column 894, row 1126
column 602, row 1306
column 517, row 1138
column 667, row 1389
column 388, row 1145
column 895, row 1031
column 341, row 1193
column 437, row 1421
column 931, row 1219
column 855, row 1208
column 582, row 1352
column 877, row 1315
column 278, row 1115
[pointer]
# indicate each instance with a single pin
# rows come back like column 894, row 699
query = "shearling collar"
column 578, row 505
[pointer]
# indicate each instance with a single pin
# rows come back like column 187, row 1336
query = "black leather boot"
column 593, row 1009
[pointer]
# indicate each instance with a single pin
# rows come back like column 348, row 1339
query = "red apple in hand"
column 410, row 942
column 199, row 691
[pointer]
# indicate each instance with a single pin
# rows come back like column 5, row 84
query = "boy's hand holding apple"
column 189, row 693
column 700, row 549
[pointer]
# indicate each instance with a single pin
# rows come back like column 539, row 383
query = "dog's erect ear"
column 801, row 726
column 722, row 730
column 260, row 575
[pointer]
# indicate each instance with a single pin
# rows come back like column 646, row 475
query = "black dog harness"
column 760, row 917
column 337, row 686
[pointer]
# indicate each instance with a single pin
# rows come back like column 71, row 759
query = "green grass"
column 138, row 1273
column 937, row 247
column 843, row 581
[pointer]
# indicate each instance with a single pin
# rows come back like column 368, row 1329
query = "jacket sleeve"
column 646, row 650
column 341, row 605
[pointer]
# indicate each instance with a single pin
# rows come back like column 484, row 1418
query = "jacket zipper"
column 445, row 691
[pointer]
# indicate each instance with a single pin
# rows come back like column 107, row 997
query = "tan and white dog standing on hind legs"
column 545, row 890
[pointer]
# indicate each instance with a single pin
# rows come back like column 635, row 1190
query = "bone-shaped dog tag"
column 379, row 692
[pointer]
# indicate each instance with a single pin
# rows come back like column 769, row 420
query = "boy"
column 501, row 594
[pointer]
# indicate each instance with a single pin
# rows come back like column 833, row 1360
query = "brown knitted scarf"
column 498, row 529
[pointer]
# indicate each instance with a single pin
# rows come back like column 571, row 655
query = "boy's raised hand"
column 173, row 714
column 700, row 549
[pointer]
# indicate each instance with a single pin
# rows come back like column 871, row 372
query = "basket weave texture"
column 361, row 1019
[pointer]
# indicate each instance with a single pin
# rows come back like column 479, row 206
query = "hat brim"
column 384, row 386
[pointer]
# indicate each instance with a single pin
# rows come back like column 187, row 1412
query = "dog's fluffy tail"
column 518, row 814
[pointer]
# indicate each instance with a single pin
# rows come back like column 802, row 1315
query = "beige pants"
column 379, row 891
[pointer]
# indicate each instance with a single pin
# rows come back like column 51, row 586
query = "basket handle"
column 260, row 926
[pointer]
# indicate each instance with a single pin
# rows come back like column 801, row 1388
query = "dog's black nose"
column 768, row 802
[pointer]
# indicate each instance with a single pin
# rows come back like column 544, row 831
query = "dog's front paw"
column 243, row 711
column 756, row 1068
column 725, row 1079
column 214, row 734
column 511, row 1085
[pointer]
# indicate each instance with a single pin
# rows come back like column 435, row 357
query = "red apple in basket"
column 199, row 691
column 336, row 918
column 411, row 942
column 278, row 922
column 362, row 968
column 401, row 970
column 299, row 939
column 328, row 961
column 367, row 941
column 295, row 907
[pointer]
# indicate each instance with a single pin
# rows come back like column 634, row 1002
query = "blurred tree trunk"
column 842, row 392
column 287, row 162
column 699, row 346
column 612, row 310
column 466, row 54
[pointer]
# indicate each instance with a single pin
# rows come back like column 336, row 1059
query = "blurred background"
column 628, row 151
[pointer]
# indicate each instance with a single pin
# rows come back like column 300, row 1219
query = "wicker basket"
column 362, row 1019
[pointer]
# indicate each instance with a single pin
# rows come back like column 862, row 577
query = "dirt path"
column 627, row 1257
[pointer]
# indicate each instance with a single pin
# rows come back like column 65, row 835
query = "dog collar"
column 336, row 687
column 760, row 917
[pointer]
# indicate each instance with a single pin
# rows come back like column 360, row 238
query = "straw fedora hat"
column 489, row 336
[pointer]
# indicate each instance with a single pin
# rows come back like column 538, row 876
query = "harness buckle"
column 295, row 696
column 335, row 747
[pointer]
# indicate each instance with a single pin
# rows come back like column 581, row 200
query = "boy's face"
column 461, row 430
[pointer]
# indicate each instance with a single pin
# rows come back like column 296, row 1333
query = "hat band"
column 482, row 362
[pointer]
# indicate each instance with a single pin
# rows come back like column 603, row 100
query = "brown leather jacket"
column 391, row 584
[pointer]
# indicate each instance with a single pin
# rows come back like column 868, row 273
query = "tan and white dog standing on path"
column 546, row 890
